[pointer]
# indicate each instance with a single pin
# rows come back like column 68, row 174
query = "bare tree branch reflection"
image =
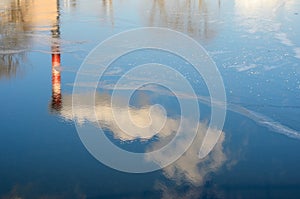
column 18, row 19
column 107, row 9
column 13, row 42
column 192, row 17
column 70, row 3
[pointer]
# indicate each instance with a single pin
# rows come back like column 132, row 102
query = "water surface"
column 255, row 45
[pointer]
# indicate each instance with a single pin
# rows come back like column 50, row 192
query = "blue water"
column 255, row 45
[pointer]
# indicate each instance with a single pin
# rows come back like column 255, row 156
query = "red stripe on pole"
column 55, row 60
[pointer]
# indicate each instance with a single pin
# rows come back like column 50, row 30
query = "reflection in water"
column 70, row 3
column 108, row 10
column 193, row 17
column 104, row 113
column 188, row 176
column 191, row 172
column 13, row 42
column 187, row 170
column 33, row 190
column 189, row 167
column 9, row 64
column 199, row 18
column 56, row 84
column 262, row 16
column 258, row 15
column 56, row 91
column 17, row 20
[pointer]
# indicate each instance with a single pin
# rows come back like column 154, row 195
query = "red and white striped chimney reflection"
column 56, row 79
column 56, row 102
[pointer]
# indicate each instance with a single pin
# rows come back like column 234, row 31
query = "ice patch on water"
column 283, row 38
column 39, row 43
column 48, row 39
column 11, row 51
column 263, row 120
column 297, row 52
column 247, row 67
column 259, row 118
column 218, row 52
column 273, row 125
column 243, row 67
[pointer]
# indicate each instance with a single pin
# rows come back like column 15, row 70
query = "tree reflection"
column 193, row 17
column 107, row 9
column 13, row 41
column 70, row 3
column 18, row 20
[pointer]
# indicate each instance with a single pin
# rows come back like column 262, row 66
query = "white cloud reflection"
column 190, row 170
column 150, row 119
column 187, row 169
column 260, row 119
